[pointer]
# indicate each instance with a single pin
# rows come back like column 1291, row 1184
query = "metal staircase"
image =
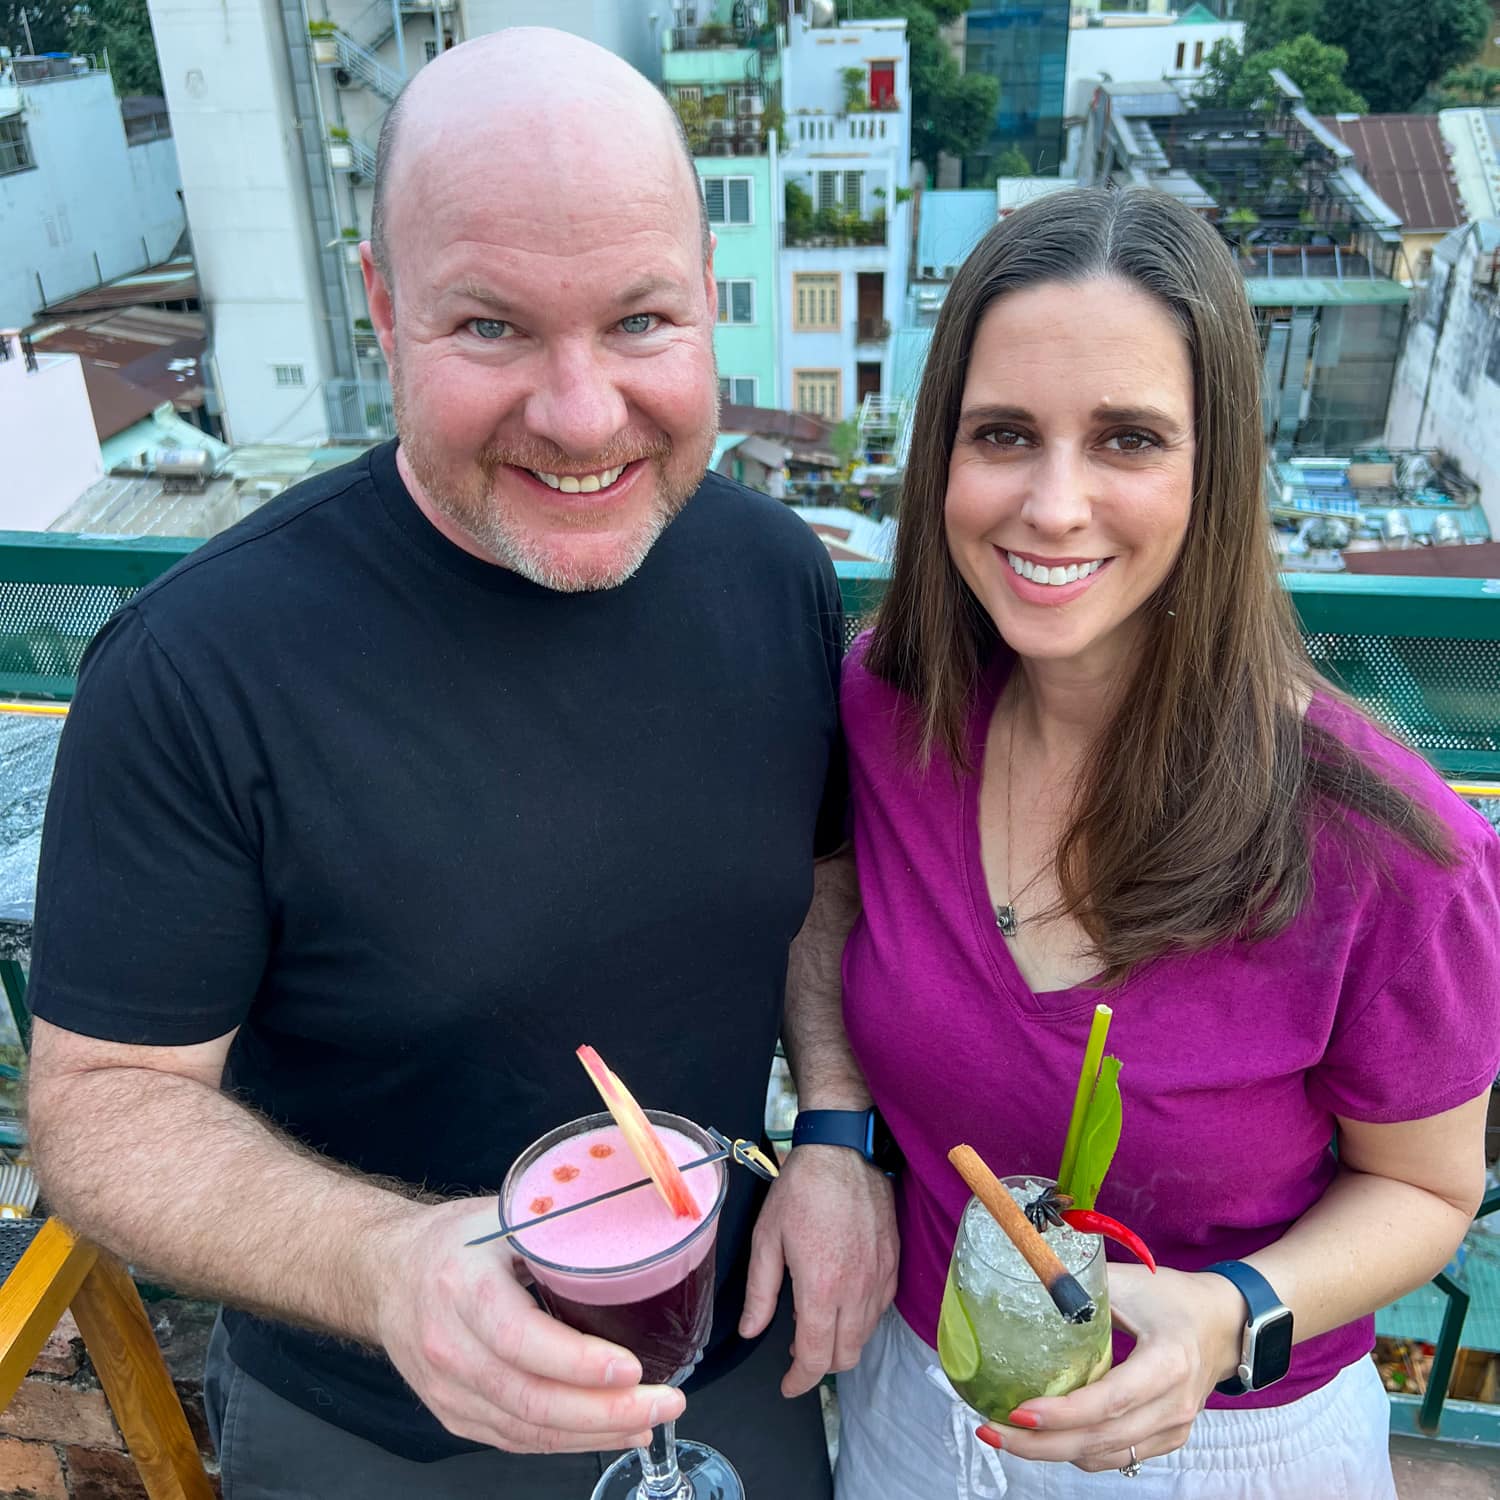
column 364, row 67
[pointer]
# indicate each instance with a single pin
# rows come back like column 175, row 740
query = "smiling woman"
column 1087, row 753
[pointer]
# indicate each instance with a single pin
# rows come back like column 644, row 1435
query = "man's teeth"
column 581, row 484
column 1038, row 574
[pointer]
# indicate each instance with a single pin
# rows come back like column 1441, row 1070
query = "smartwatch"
column 860, row 1130
column 1266, row 1347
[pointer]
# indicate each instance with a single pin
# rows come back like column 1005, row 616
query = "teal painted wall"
column 746, row 252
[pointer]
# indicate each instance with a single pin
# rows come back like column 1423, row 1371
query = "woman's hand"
column 1187, row 1330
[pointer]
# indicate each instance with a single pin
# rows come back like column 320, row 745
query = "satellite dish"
column 822, row 13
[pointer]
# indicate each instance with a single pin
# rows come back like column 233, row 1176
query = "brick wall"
column 58, row 1440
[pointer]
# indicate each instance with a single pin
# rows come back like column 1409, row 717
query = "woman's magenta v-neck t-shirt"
column 1379, row 1003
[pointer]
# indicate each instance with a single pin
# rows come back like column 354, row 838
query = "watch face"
column 884, row 1151
column 1273, row 1349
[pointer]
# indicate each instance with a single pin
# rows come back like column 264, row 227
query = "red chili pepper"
column 1088, row 1222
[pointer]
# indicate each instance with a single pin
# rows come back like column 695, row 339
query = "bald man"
column 514, row 734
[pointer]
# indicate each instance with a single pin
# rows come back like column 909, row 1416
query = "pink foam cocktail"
column 627, row 1270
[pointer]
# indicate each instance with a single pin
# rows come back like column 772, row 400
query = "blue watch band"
column 854, row 1128
column 1267, row 1346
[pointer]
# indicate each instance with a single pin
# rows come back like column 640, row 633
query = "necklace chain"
column 1007, row 917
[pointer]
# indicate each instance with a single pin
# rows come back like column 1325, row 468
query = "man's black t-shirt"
column 417, row 828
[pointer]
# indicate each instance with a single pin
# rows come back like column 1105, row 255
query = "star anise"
column 1046, row 1210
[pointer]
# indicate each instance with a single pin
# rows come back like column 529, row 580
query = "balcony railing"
column 360, row 410
column 854, row 134
column 24, row 347
column 833, row 229
column 711, row 37
column 872, row 330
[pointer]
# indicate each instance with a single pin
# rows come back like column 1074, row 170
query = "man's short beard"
column 481, row 516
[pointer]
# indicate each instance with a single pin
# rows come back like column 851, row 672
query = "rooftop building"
column 1447, row 386
column 88, row 182
column 46, row 434
column 845, row 180
column 1405, row 159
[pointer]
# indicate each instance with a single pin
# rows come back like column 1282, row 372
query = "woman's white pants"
column 902, row 1437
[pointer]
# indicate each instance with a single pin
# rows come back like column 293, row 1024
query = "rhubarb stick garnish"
column 644, row 1143
column 1067, row 1295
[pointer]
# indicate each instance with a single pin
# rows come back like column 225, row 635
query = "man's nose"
column 576, row 404
column 1059, row 499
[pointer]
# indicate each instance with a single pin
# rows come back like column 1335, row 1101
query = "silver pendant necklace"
column 1007, row 913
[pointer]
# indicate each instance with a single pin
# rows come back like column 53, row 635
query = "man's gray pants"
column 272, row 1450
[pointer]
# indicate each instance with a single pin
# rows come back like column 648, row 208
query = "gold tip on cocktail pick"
column 748, row 1154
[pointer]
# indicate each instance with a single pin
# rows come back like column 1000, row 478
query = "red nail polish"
column 1024, row 1419
column 988, row 1435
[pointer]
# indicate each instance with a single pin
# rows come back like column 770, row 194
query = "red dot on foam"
column 601, row 1151
column 541, row 1205
column 564, row 1173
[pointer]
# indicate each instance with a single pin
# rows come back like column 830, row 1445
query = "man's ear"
column 710, row 284
column 382, row 300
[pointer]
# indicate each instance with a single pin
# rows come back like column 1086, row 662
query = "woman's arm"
column 1389, row 1221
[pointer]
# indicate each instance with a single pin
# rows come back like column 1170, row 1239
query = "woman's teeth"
column 1036, row 573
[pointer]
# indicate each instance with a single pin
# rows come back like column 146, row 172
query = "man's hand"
column 493, row 1368
column 830, row 1221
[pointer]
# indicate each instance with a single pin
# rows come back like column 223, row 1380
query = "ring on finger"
column 1133, row 1468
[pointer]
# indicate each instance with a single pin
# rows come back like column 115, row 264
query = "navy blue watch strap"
column 1261, row 1300
column 854, row 1128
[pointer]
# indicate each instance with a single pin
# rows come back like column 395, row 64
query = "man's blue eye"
column 637, row 323
column 489, row 328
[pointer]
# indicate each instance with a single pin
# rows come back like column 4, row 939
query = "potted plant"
column 351, row 238
column 340, row 152
column 856, row 101
column 325, row 45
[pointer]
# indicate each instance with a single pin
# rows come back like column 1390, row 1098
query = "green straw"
column 1093, row 1057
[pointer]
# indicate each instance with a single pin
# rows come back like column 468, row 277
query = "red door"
column 882, row 84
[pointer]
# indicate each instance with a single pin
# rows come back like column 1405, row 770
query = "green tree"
column 1220, row 74
column 1398, row 48
column 1316, row 69
column 1012, row 163
column 123, row 29
column 1474, row 85
column 1268, row 23
column 45, row 24
column 950, row 111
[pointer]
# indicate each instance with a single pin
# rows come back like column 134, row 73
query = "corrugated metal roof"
column 1405, row 159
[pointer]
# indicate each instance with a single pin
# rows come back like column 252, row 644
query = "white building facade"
column 844, row 184
column 1473, row 140
column 79, row 204
column 277, row 107
column 1111, row 47
column 1446, row 392
column 46, row 433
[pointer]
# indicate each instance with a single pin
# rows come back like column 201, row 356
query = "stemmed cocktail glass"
column 626, row 1270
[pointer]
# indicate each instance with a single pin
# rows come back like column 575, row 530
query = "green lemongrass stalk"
column 1093, row 1057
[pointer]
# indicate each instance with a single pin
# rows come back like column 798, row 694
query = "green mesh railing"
column 1421, row 654
column 56, row 590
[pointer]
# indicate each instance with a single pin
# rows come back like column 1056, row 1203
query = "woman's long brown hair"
column 1197, row 804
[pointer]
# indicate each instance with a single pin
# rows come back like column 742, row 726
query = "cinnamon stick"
column 1063, row 1287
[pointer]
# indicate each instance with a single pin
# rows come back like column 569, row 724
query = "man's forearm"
column 817, row 1049
column 176, row 1177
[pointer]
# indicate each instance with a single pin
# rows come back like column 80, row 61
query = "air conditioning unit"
column 750, row 104
column 1487, row 272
